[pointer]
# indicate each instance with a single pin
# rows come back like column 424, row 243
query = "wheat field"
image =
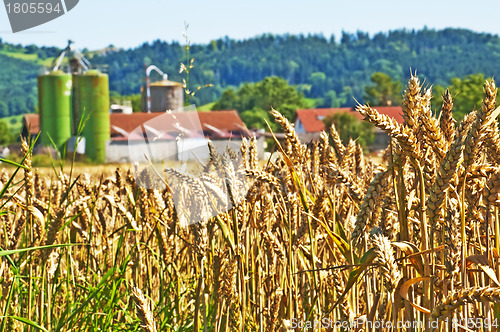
column 320, row 239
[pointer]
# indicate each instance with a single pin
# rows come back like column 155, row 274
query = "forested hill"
column 319, row 63
column 319, row 66
column 17, row 85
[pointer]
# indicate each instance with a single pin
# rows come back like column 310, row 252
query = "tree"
column 350, row 127
column 384, row 92
column 17, row 105
column 256, row 119
column 4, row 109
column 228, row 100
column 31, row 49
column 135, row 99
column 318, row 83
column 271, row 92
column 332, row 99
column 467, row 93
column 5, row 135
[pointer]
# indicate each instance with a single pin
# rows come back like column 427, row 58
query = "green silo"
column 76, row 111
column 91, row 103
column 54, row 100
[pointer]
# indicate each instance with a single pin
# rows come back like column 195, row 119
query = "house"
column 157, row 136
column 309, row 122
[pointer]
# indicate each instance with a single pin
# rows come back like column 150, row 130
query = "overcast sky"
column 96, row 24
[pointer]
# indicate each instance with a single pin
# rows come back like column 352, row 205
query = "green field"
column 205, row 108
column 310, row 102
column 15, row 123
column 28, row 57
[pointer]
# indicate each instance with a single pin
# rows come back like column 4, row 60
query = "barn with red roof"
column 160, row 134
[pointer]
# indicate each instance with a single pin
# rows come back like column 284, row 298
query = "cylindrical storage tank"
column 93, row 107
column 54, row 101
column 76, row 108
column 165, row 95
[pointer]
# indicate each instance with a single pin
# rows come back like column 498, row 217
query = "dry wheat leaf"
column 409, row 249
column 404, row 293
column 484, row 264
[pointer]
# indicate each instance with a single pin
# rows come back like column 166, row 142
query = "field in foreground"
column 320, row 238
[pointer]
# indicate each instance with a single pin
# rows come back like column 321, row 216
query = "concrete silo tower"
column 162, row 95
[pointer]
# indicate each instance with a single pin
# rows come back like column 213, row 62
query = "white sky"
column 129, row 23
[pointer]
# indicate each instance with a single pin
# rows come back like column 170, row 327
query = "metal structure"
column 148, row 83
column 91, row 101
column 77, row 61
column 68, row 101
column 54, row 100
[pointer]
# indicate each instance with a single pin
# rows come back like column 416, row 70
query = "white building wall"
column 185, row 150
column 122, row 151
column 299, row 127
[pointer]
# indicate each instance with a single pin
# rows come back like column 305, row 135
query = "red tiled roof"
column 222, row 120
column 225, row 121
column 395, row 112
column 312, row 118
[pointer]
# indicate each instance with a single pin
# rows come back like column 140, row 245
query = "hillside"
column 317, row 65
column 19, row 68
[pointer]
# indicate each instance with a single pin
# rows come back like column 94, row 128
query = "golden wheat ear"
column 294, row 148
column 144, row 312
column 463, row 296
column 385, row 259
column 446, row 120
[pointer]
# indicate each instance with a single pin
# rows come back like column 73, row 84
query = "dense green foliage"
column 349, row 127
column 467, row 94
column 319, row 64
column 18, row 93
column 5, row 135
column 135, row 99
column 334, row 72
column 254, row 100
column 334, row 99
column 384, row 91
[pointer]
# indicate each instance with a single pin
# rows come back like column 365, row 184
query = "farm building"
column 157, row 135
column 309, row 122
column 75, row 114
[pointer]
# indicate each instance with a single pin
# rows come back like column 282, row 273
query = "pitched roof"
column 229, row 121
column 32, row 122
column 312, row 118
column 165, row 83
column 220, row 123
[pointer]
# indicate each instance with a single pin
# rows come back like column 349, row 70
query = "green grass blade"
column 16, row 251
column 28, row 322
